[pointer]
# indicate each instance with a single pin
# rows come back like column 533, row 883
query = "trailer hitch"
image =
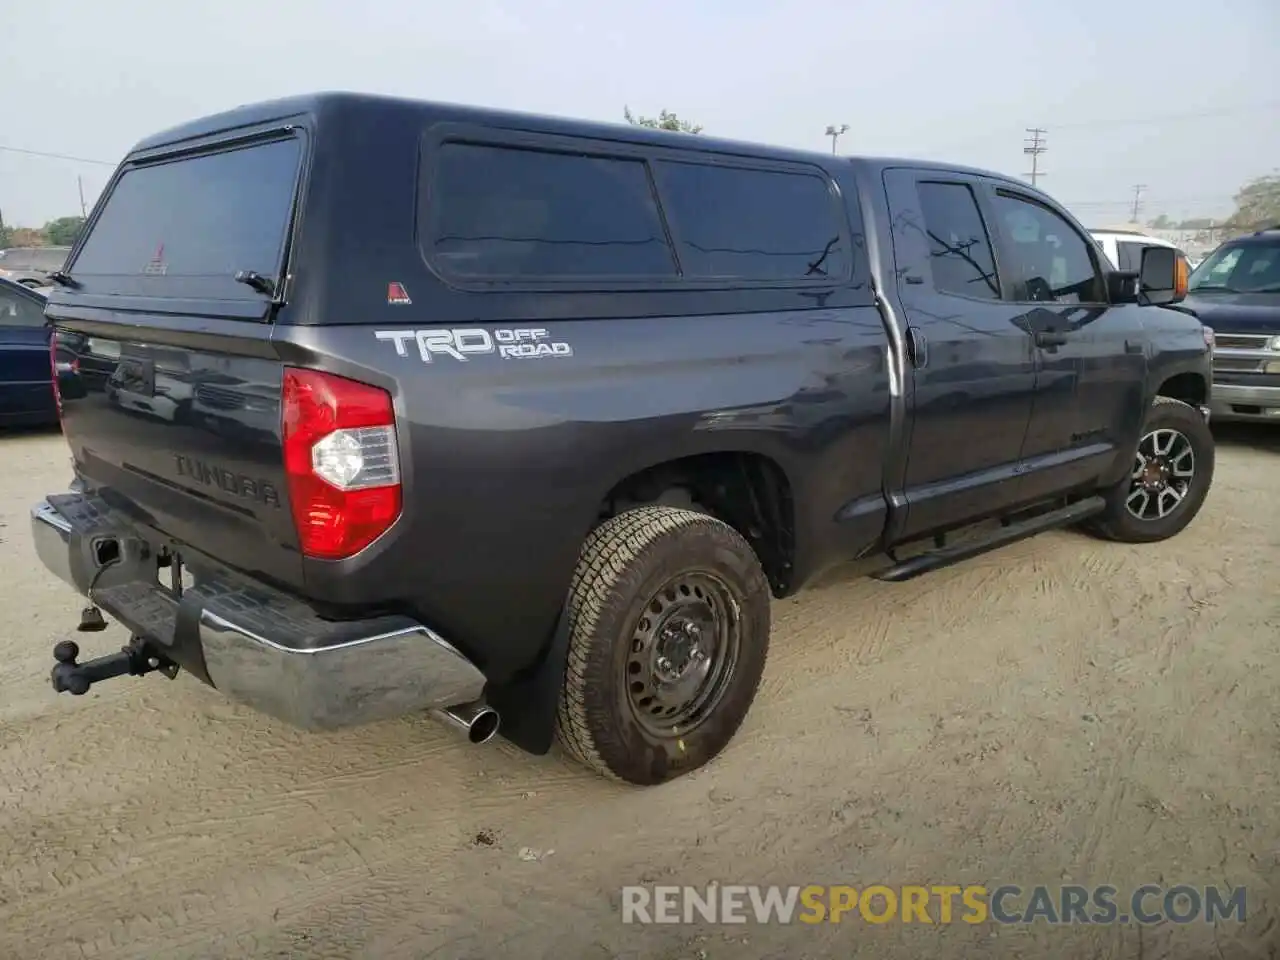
column 137, row 658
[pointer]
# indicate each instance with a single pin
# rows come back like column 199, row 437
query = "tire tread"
column 1106, row 525
column 607, row 555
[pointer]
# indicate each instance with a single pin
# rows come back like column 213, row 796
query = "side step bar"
column 946, row 556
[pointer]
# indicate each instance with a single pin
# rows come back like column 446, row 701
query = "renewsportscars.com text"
column 934, row 904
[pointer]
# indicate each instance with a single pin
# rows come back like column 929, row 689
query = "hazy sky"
column 1182, row 97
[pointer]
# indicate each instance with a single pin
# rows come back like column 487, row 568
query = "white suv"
column 1124, row 247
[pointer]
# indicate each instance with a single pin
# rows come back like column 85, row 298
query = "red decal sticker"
column 396, row 293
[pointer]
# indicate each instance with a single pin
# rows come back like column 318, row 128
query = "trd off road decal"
column 463, row 343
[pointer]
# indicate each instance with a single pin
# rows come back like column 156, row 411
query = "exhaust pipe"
column 477, row 720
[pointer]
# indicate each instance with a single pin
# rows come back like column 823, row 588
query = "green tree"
column 1257, row 204
column 664, row 121
column 63, row 231
column 1161, row 222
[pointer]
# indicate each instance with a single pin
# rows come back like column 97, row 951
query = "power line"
column 1172, row 117
column 1035, row 146
column 1262, row 107
column 1223, row 198
column 55, row 156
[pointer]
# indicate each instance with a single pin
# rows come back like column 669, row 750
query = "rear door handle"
column 1051, row 338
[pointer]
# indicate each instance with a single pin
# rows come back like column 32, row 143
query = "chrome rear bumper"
column 255, row 644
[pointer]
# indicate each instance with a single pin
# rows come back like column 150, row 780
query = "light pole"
column 834, row 133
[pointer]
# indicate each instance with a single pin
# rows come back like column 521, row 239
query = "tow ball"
column 137, row 658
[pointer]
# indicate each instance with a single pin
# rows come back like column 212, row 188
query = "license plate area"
column 173, row 576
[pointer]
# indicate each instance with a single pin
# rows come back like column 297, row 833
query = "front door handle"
column 1051, row 338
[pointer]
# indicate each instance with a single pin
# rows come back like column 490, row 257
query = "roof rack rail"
column 1271, row 229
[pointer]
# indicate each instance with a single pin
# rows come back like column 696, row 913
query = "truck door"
column 974, row 368
column 1089, row 395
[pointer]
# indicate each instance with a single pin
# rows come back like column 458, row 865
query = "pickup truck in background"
column 1236, row 292
column 578, row 401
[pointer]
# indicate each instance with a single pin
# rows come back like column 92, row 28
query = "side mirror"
column 1163, row 277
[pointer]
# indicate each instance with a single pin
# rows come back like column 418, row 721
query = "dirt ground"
column 1061, row 711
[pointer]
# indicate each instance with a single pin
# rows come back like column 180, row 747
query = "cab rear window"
column 184, row 228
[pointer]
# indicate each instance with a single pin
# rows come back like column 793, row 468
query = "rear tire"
column 1171, row 476
column 669, row 621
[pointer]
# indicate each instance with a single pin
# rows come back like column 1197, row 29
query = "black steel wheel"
column 683, row 653
column 669, row 619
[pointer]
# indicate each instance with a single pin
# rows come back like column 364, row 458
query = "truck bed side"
column 487, row 553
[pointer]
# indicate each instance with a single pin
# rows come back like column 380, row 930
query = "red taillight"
column 342, row 462
column 53, row 369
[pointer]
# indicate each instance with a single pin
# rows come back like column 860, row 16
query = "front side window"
column 1050, row 261
column 959, row 248
column 505, row 212
column 756, row 225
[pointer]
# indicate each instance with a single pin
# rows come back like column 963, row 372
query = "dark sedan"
column 26, row 370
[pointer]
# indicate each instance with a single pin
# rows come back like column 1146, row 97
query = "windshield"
column 1240, row 268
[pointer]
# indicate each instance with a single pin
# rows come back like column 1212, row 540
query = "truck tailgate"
column 170, row 299
column 188, row 442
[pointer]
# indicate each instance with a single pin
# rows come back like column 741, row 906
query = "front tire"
column 1170, row 478
column 669, row 621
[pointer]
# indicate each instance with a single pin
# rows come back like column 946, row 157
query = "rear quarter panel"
column 506, row 461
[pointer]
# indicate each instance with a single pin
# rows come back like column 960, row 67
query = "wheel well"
column 1187, row 387
column 748, row 491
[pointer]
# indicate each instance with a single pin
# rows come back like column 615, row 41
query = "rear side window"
column 1130, row 255
column 185, row 227
column 503, row 212
column 737, row 224
column 959, row 247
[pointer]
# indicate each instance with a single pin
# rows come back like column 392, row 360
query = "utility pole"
column 1137, row 200
column 1035, row 145
column 80, row 183
column 835, row 132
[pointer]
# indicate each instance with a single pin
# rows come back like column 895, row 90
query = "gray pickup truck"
column 524, row 421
